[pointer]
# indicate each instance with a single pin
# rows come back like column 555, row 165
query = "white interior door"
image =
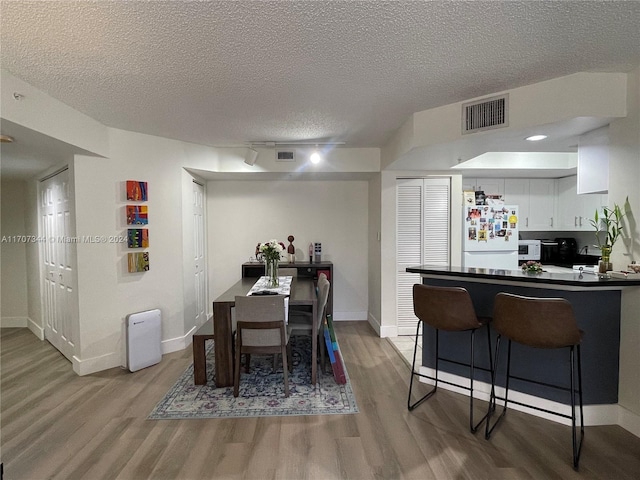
column 58, row 260
column 423, row 221
column 199, row 261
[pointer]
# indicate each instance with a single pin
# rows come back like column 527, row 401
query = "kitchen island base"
column 598, row 313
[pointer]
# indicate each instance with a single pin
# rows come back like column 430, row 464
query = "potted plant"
column 610, row 221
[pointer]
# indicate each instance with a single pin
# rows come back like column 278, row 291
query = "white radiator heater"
column 144, row 335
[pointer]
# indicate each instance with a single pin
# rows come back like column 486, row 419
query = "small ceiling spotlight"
column 315, row 157
column 536, row 138
column 6, row 138
column 250, row 157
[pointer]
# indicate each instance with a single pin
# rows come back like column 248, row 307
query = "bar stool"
column 539, row 323
column 449, row 309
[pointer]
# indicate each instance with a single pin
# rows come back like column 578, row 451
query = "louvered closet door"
column 422, row 229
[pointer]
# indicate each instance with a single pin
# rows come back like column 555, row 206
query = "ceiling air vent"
column 285, row 156
column 485, row 114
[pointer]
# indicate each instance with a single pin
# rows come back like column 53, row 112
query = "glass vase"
column 605, row 263
column 271, row 272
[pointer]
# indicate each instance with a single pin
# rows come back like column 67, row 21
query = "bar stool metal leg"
column 577, row 447
column 574, row 351
column 492, row 401
column 472, row 427
column 411, row 406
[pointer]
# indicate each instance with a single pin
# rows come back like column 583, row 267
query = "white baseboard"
column 14, row 322
column 88, row 366
column 382, row 331
column 36, row 329
column 629, row 421
column 178, row 343
column 609, row 414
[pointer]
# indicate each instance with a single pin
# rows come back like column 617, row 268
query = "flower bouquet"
column 532, row 267
column 271, row 254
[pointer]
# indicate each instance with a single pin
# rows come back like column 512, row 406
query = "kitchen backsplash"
column 586, row 240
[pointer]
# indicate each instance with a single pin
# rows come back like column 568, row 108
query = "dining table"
column 303, row 292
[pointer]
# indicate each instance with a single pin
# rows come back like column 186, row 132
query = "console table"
column 305, row 269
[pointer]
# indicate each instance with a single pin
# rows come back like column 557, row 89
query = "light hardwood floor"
column 58, row 425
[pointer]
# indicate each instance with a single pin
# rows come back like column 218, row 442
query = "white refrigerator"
column 490, row 236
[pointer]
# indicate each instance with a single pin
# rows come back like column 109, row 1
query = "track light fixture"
column 294, row 144
column 250, row 157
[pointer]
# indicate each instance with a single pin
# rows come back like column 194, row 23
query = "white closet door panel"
column 406, row 318
column 422, row 229
column 436, row 224
column 409, row 222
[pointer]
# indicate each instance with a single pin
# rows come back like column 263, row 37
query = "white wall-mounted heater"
column 144, row 335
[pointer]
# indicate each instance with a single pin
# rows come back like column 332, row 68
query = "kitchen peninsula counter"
column 567, row 280
column 601, row 306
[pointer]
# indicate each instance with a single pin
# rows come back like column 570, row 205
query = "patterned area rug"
column 261, row 391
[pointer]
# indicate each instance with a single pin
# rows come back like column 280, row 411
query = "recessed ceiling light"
column 535, row 138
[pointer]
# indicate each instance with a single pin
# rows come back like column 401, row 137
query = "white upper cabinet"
column 575, row 211
column 490, row 186
column 593, row 162
column 516, row 192
column 536, row 200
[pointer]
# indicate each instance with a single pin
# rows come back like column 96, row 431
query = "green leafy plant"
column 610, row 222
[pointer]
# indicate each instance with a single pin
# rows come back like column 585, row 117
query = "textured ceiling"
column 229, row 73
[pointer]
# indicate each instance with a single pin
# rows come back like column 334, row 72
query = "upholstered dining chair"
column 301, row 323
column 449, row 309
column 260, row 329
column 544, row 323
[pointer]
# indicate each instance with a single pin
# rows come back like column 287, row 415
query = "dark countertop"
column 568, row 279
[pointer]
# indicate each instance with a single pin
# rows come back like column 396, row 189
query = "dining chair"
column 261, row 329
column 301, row 323
column 544, row 323
column 449, row 309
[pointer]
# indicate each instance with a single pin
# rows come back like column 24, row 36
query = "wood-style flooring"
column 61, row 426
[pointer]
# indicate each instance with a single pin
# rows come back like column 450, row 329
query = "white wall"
column 14, row 305
column 241, row 214
column 107, row 292
column 624, row 179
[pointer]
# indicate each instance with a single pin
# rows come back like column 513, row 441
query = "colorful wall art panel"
column 138, row 238
column 136, row 191
column 138, row 262
column 137, row 215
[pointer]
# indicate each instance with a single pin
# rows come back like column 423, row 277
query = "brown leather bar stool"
column 449, row 309
column 539, row 323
